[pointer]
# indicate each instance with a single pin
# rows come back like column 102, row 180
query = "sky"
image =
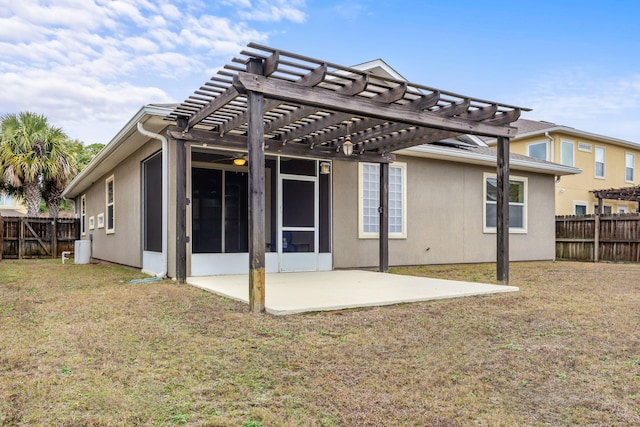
column 90, row 65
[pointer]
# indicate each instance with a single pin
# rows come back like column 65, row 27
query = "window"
column 629, row 160
column 517, row 204
column 110, row 199
column 606, row 209
column 369, row 200
column 623, row 209
column 152, row 203
column 599, row 162
column 583, row 146
column 537, row 150
column 579, row 208
column 566, row 152
column 6, row 200
column 83, row 214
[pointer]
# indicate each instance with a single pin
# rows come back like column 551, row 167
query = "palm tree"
column 33, row 160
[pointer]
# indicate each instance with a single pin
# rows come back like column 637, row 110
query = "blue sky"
column 89, row 65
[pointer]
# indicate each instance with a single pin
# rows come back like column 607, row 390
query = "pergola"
column 272, row 101
column 631, row 194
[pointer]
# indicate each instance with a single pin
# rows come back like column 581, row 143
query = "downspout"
column 552, row 146
column 165, row 196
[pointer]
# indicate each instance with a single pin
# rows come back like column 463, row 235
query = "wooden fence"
column 598, row 237
column 24, row 237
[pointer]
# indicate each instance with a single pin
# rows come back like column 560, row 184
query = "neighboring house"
column 321, row 214
column 11, row 206
column 605, row 163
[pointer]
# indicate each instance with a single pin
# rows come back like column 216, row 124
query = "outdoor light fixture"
column 240, row 161
column 325, row 168
column 347, row 146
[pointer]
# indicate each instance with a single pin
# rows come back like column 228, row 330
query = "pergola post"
column 181, row 206
column 255, row 142
column 502, row 220
column 384, row 217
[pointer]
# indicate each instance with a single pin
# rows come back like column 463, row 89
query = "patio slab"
column 289, row 293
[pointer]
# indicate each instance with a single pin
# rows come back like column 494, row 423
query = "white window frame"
column 580, row 203
column 362, row 234
column 595, row 162
column 628, row 155
column 584, row 146
column 83, row 215
column 112, row 203
column 524, row 204
column 564, row 161
column 604, row 206
column 623, row 209
column 546, row 149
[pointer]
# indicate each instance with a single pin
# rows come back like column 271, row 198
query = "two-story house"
column 605, row 163
column 11, row 206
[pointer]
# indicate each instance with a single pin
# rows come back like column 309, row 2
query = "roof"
column 312, row 107
column 116, row 150
column 529, row 128
column 486, row 156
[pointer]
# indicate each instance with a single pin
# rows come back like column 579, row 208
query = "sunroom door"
column 298, row 231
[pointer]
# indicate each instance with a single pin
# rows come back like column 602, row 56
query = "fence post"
column 1, row 236
column 21, row 237
column 596, row 237
column 54, row 238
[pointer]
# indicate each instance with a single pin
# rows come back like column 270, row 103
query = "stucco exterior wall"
column 576, row 188
column 124, row 246
column 444, row 217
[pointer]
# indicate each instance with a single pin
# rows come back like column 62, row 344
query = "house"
column 605, row 163
column 11, row 206
column 342, row 153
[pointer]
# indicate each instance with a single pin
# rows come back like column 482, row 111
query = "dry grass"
column 81, row 346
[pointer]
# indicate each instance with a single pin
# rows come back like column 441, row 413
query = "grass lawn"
column 80, row 346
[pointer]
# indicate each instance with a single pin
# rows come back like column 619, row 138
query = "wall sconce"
column 325, row 168
column 347, row 146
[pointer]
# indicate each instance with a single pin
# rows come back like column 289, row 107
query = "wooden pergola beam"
column 322, row 98
column 239, row 142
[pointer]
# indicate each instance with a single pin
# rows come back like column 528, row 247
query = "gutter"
column 165, row 195
column 464, row 156
column 114, row 144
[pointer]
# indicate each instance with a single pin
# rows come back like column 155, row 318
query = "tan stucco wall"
column 444, row 215
column 125, row 245
column 576, row 188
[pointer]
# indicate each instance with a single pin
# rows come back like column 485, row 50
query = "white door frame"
column 298, row 261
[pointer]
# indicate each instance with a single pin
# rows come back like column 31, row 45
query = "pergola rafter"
column 281, row 102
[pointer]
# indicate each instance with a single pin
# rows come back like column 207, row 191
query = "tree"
column 33, row 160
column 83, row 153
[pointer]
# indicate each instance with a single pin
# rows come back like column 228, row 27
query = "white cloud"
column 590, row 102
column 90, row 64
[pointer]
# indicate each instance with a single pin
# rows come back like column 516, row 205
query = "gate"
column 26, row 237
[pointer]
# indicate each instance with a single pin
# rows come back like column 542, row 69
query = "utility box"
column 82, row 252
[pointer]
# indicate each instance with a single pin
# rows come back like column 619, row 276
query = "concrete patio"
column 289, row 293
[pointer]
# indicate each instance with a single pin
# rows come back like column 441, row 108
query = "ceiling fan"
column 238, row 159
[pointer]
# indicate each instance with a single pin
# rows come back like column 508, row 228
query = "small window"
column 629, row 163
column 579, row 208
column 606, row 209
column 566, row 152
column 599, row 156
column 623, row 209
column 583, row 146
column 6, row 200
column 83, row 214
column 538, row 150
column 369, row 200
column 517, row 203
column 111, row 206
